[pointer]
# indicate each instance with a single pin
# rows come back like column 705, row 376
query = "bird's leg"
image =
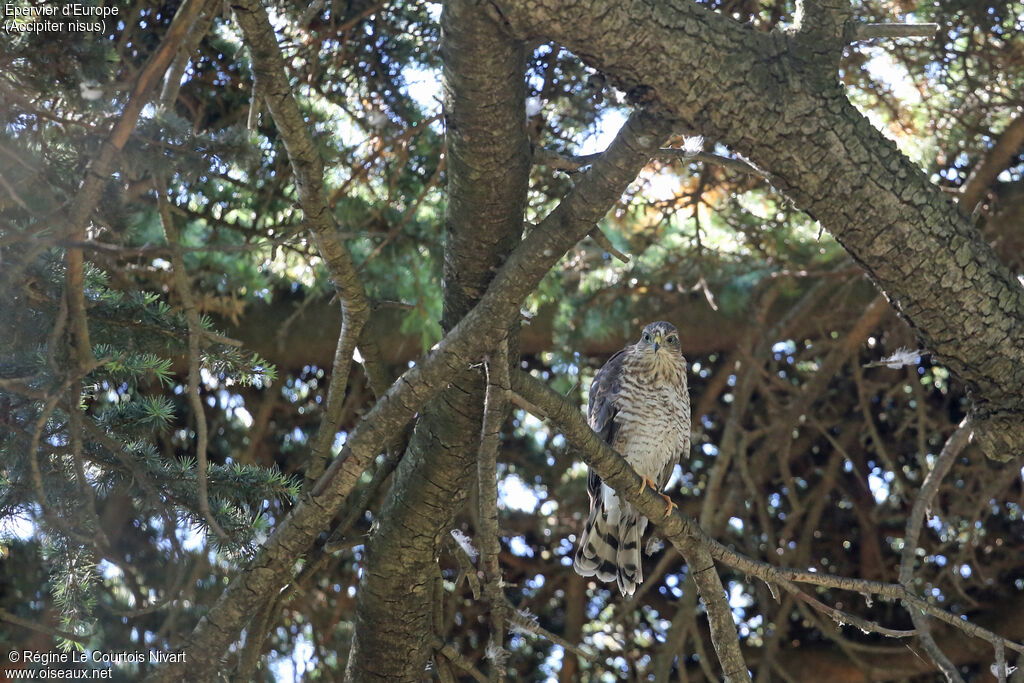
column 645, row 483
column 669, row 504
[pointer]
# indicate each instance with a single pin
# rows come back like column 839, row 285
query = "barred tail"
column 609, row 547
column 630, row 564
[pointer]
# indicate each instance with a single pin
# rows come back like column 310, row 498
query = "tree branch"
column 780, row 105
column 991, row 165
column 870, row 31
column 617, row 474
column 195, row 330
column 307, row 168
column 687, row 536
column 496, row 406
column 98, row 173
column 950, row 451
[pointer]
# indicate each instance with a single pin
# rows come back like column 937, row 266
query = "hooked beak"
column 657, row 342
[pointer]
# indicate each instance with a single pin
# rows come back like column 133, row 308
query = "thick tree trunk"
column 488, row 167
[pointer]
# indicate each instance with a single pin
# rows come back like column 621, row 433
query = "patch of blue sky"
column 519, row 548
column 296, row 666
column 17, row 524
column 608, row 124
column 878, row 483
column 513, row 493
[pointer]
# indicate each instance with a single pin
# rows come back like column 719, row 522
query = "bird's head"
column 660, row 337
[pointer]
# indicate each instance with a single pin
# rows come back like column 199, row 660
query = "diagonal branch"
column 773, row 99
column 98, row 174
column 950, row 451
column 307, row 168
column 617, row 473
column 693, row 542
column 481, row 329
column 994, row 162
column 495, row 411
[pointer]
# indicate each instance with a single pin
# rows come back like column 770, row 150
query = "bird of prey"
column 639, row 404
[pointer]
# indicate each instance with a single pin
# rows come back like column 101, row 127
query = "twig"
column 166, row 250
column 456, row 658
column 495, row 410
column 37, row 432
column 737, row 164
column 255, row 104
column 947, row 456
column 357, row 504
column 256, row 634
column 841, row 617
column 1000, row 663
column 950, row 451
column 525, row 623
column 675, row 637
column 991, row 164
column 39, row 628
column 308, row 172
column 195, row 330
column 172, row 80
column 87, row 493
column 410, row 212
column 14, row 195
column 602, row 240
column 876, row 440
column 869, row 31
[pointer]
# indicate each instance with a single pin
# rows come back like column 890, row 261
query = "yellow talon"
column 669, row 504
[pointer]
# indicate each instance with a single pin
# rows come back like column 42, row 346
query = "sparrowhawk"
column 639, row 404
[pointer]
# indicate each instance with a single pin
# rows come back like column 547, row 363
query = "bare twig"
column 307, row 168
column 409, row 214
column 495, row 410
column 525, row 623
column 994, row 161
column 869, row 31
column 39, row 628
column 950, row 451
column 172, row 80
column 195, row 331
column 459, row 660
column 602, row 240
column 13, row 193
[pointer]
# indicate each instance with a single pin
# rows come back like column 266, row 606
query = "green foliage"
column 116, row 447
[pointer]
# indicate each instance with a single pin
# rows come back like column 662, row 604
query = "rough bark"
column 773, row 98
column 484, row 326
column 488, row 168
